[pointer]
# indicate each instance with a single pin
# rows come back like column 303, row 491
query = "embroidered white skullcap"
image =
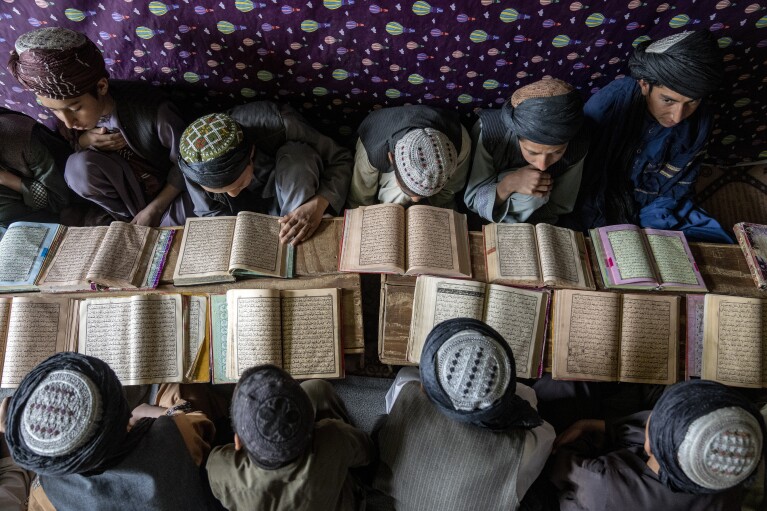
column 425, row 159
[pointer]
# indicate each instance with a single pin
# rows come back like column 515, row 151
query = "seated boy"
column 528, row 156
column 293, row 447
column 70, row 423
column 467, row 435
column 32, row 159
column 409, row 153
column 266, row 158
column 125, row 134
column 701, row 441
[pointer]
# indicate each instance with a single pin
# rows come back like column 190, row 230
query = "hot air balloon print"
column 680, row 20
column 723, row 4
column 191, row 77
column 336, row 4
column 43, row 4
column 501, row 62
column 264, row 75
column 351, row 25
column 376, row 9
column 633, row 26
column 639, row 40
column 286, row 9
column 463, row 18
column 424, row 56
column 480, row 36
column 227, row 28
column 247, row 92
column 395, row 28
column 312, row 26
column 268, row 27
column 340, row 74
column 577, row 6
column 378, row 47
column 168, row 70
column 519, row 38
column 147, row 33
column 512, row 15
column 106, row 36
column 111, row 62
column 596, row 19
column 199, row 9
column 186, row 54
column 761, row 22
column 724, row 42
column 319, row 91
column 436, row 32
column 36, row 22
column 753, row 8
column 160, row 8
column 119, row 17
column 77, row 14
column 412, row 45
column 183, row 29
column 562, row 40
column 422, row 8
column 465, row 98
column 393, row 93
column 550, row 23
column 633, row 4
column 490, row 84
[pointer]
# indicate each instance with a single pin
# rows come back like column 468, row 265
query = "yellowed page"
column 122, row 256
column 671, row 259
column 630, row 254
column 649, row 339
column 311, row 333
column 37, row 328
column 586, row 335
column 519, row 316
column 734, row 333
column 73, row 258
column 374, row 239
column 431, row 241
column 195, row 330
column 256, row 245
column 205, row 250
column 516, row 254
column 561, row 262
column 141, row 337
column 438, row 299
column 254, row 331
column 5, row 313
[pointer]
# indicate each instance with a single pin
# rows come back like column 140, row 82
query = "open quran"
column 519, row 315
column 150, row 338
column 387, row 238
column 607, row 336
column 536, row 256
column 219, row 249
column 630, row 257
column 297, row 330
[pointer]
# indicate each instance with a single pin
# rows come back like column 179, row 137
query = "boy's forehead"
column 62, row 103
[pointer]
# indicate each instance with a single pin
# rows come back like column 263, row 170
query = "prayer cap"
column 214, row 151
column 548, row 112
column 424, row 160
column 272, row 415
column 68, row 416
column 689, row 63
column 706, row 437
column 57, row 63
column 468, row 372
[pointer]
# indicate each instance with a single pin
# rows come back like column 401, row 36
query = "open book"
column 536, row 256
column 615, row 337
column 634, row 258
column 519, row 315
column 121, row 256
column 387, row 238
column 752, row 239
column 297, row 330
column 694, row 336
column 734, row 334
column 143, row 338
column 218, row 249
column 24, row 247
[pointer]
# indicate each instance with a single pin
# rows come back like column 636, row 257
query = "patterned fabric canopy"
column 337, row 59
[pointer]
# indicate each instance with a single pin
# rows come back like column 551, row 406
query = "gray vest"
column 158, row 475
column 430, row 462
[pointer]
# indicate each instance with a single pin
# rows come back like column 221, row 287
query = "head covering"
column 68, row 416
column 548, row 112
column 706, row 437
column 424, row 160
column 689, row 63
column 57, row 63
column 272, row 415
column 468, row 372
column 214, row 151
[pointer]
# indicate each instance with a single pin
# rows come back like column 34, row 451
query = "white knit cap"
column 62, row 413
column 473, row 370
column 425, row 159
column 721, row 448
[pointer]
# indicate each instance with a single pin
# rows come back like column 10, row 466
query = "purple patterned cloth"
column 337, row 59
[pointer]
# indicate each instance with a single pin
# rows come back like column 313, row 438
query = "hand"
column 300, row 224
column 527, row 180
column 4, row 413
column 150, row 216
column 144, row 410
column 577, row 430
column 101, row 139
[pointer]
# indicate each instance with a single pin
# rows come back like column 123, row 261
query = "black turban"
column 689, row 63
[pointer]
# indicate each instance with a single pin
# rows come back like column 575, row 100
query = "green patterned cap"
column 209, row 137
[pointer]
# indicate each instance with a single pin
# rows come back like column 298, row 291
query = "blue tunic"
column 664, row 168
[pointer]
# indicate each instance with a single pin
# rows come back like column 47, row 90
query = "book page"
column 5, row 313
column 219, row 328
column 649, row 339
column 586, row 335
column 73, row 257
column 626, row 254
column 694, row 344
column 437, row 300
column 119, row 258
column 374, row 239
column 560, row 256
column 431, row 239
column 753, row 241
column 196, row 314
column 22, row 250
column 733, row 340
column 256, row 245
column 205, row 248
column 519, row 316
column 140, row 337
column 37, row 328
column 673, row 258
column 254, row 329
column 311, row 342
column 517, row 252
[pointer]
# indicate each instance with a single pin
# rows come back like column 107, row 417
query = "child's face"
column 82, row 112
column 668, row 107
column 234, row 189
column 541, row 156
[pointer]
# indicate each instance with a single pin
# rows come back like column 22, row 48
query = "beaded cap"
column 209, row 137
column 425, row 159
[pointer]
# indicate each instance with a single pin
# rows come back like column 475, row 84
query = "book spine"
column 748, row 252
